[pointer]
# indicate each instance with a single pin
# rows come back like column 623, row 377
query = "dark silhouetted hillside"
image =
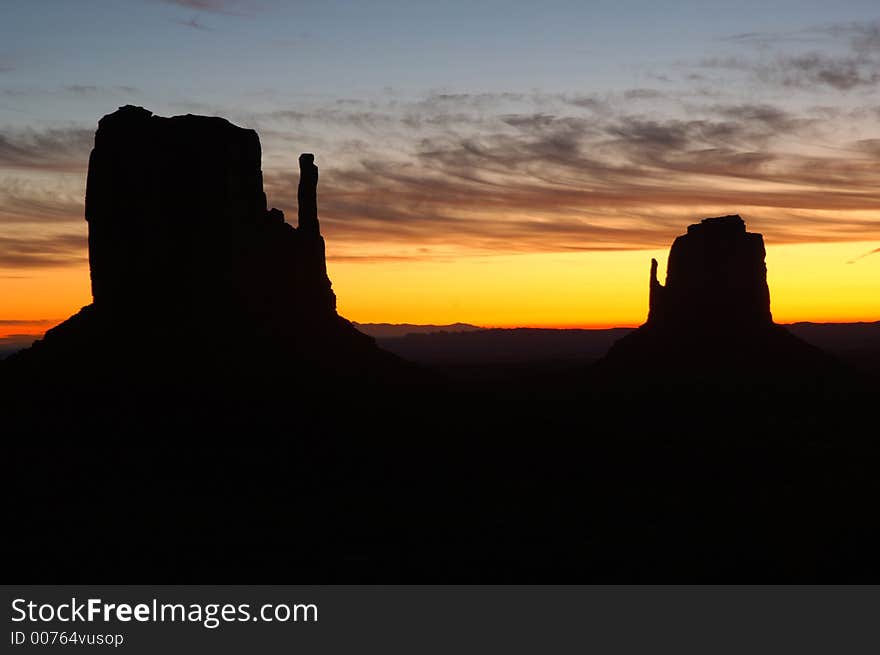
column 487, row 354
column 857, row 344
column 495, row 351
column 210, row 418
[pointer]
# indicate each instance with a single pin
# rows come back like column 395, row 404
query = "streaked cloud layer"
column 466, row 129
column 561, row 179
column 529, row 172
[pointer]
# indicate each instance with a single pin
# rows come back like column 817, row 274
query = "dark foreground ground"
column 468, row 352
column 558, row 477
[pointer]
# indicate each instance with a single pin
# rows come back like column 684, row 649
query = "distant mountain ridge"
column 858, row 343
column 460, row 341
column 387, row 330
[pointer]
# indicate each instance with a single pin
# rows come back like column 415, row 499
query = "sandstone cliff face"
column 713, row 313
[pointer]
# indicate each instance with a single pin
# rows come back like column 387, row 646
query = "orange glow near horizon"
column 33, row 300
column 808, row 282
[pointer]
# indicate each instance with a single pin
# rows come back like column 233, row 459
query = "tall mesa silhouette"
column 713, row 314
column 191, row 270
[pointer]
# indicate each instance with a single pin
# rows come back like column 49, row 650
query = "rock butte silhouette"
column 191, row 270
column 189, row 266
column 195, row 422
column 713, row 313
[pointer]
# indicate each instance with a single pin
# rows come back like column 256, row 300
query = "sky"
column 498, row 163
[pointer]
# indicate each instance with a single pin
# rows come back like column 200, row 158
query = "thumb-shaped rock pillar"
column 655, row 293
column 307, row 195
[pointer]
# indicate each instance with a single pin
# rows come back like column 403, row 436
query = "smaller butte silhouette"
column 713, row 313
column 191, row 271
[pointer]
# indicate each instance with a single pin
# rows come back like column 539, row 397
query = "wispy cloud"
column 469, row 173
column 96, row 90
column 815, row 68
column 53, row 149
column 807, row 70
column 194, row 23
column 862, row 36
column 840, row 56
column 27, row 321
column 516, row 172
column 42, row 251
column 863, row 255
column 31, row 94
column 231, row 7
column 38, row 201
column 82, row 89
